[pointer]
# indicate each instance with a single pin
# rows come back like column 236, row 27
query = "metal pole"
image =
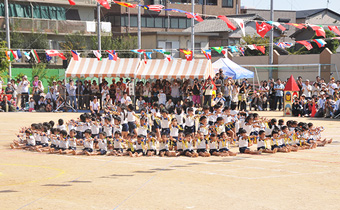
column 139, row 28
column 8, row 37
column 271, row 40
column 319, row 70
column 192, row 29
column 98, row 28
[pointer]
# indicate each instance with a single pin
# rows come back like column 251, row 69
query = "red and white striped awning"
column 91, row 67
column 176, row 68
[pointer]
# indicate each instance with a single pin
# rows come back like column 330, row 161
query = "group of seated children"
column 206, row 133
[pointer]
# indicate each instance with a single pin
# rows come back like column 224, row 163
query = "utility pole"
column 8, row 37
column 192, row 28
column 271, row 40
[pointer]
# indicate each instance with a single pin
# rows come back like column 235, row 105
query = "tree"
column 39, row 42
column 249, row 40
column 332, row 45
column 4, row 63
column 75, row 41
column 123, row 43
column 40, row 71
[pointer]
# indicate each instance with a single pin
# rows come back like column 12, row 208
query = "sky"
column 293, row 4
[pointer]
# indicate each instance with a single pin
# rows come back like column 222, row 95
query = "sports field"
column 308, row 179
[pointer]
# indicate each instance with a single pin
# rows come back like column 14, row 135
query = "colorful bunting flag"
column 242, row 50
column 72, row 2
column 112, row 55
column 227, row 21
column 138, row 51
column 48, row 58
column 155, row 8
column 335, row 29
column 10, row 55
column 233, row 49
column 97, row 54
column 277, row 24
column 18, row 54
column 148, row 54
column 75, row 55
column 240, row 23
column 187, row 53
column 261, row 49
column 299, row 26
column 318, row 30
column 262, row 29
column 195, row 16
column 218, row 49
column 320, row 42
column 35, row 56
column 306, row 44
column 52, row 53
column 159, row 50
column 124, row 4
column 252, row 47
column 168, row 55
column 175, row 10
column 207, row 54
column 27, row 55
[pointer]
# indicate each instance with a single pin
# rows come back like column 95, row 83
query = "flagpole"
column 98, row 28
column 139, row 32
column 192, row 28
column 8, row 37
column 271, row 40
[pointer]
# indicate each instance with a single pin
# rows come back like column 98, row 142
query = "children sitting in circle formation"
column 205, row 132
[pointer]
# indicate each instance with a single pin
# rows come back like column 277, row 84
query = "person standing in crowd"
column 208, row 92
column 62, row 91
column 279, row 94
column 71, row 90
column 196, row 98
column 175, row 92
column 105, row 91
column 52, row 95
column 147, row 92
column 80, row 93
column 300, row 84
column 24, row 84
column 218, row 83
column 271, row 96
column 94, row 89
column 9, row 89
column 35, row 81
column 307, row 90
column 167, row 90
column 112, row 90
column 86, row 95
column 234, row 96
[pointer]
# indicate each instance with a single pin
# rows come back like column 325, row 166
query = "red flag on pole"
column 306, row 44
column 104, row 3
column 262, row 49
column 263, row 29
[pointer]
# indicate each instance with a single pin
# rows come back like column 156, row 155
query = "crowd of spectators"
column 171, row 94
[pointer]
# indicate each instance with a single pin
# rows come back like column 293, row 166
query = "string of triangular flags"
column 113, row 55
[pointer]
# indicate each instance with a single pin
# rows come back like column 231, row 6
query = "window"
column 117, row 21
column 174, row 22
column 183, row 23
column 168, row 45
column 123, row 21
column 133, row 21
column 159, row 22
column 143, row 22
column 227, row 3
column 150, row 22
column 188, row 23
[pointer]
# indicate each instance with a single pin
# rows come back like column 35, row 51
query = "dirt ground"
column 307, row 179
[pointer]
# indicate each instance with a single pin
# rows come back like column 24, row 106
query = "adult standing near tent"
column 24, row 84
column 196, row 98
column 307, row 90
column 208, row 92
column 227, row 92
column 35, row 81
column 71, row 90
column 175, row 92
column 279, row 94
column 218, row 83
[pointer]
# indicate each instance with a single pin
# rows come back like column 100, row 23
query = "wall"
column 325, row 17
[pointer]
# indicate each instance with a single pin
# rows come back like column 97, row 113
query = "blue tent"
column 231, row 69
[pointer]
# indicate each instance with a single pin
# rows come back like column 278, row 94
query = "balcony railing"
column 61, row 27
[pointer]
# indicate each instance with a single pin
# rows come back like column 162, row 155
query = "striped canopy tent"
column 176, row 68
column 91, row 67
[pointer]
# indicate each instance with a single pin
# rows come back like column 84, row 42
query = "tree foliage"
column 332, row 45
column 37, row 41
column 4, row 63
column 40, row 71
column 75, row 41
column 125, row 43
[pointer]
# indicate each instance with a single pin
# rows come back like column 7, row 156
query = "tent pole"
column 336, row 69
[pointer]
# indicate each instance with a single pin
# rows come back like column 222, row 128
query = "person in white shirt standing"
column 71, row 90
column 307, row 90
column 24, row 84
